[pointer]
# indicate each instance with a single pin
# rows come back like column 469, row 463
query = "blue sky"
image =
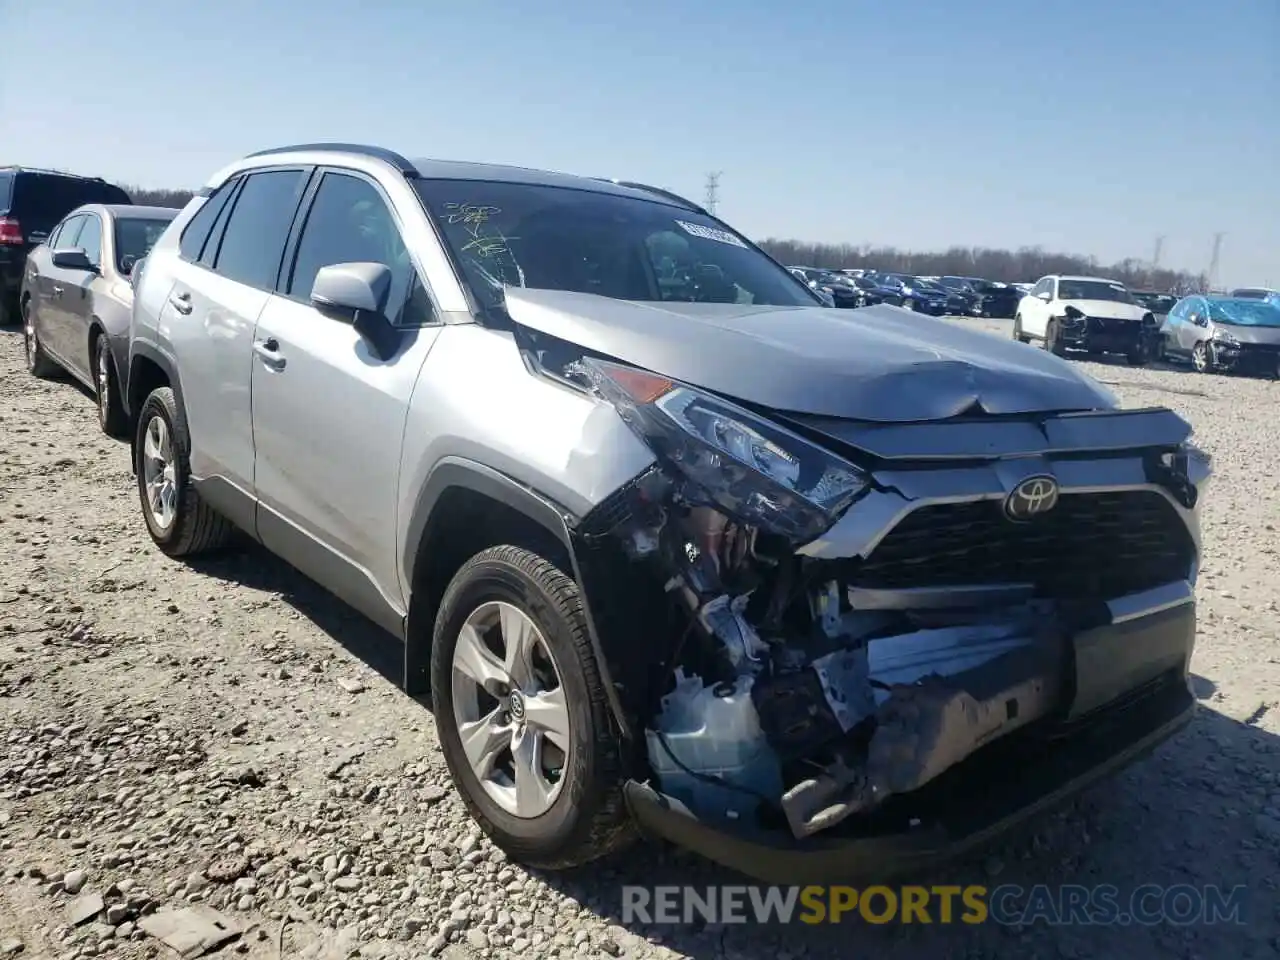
column 1086, row 126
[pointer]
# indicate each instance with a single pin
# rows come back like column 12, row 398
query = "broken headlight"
column 745, row 465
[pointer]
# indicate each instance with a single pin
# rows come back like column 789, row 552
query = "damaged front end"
column 819, row 625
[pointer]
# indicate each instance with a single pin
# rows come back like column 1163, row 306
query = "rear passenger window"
column 253, row 242
column 197, row 231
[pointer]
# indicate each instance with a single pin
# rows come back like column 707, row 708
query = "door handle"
column 268, row 351
column 181, row 302
column 57, row 291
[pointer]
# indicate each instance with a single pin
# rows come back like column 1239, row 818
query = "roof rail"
column 674, row 197
column 378, row 153
column 19, row 168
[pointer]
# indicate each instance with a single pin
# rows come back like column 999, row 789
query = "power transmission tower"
column 1213, row 262
column 1155, row 257
column 713, row 190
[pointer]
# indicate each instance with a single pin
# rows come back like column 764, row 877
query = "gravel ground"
column 226, row 734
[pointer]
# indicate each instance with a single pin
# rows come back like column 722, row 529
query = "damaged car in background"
column 813, row 592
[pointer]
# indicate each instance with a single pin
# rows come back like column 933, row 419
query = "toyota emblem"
column 1031, row 498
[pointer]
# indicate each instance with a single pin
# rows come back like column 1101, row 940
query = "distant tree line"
column 158, row 198
column 1025, row 265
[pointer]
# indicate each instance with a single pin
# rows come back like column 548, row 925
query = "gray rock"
column 347, row 884
column 478, row 939
column 84, row 909
column 11, row 947
column 117, row 914
column 73, row 881
column 351, row 685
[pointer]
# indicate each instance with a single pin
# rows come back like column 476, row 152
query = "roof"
column 133, row 210
column 431, row 169
column 1068, row 276
column 17, row 168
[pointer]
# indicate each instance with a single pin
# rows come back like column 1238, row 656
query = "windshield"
column 1244, row 313
column 1093, row 290
column 135, row 236
column 560, row 238
column 928, row 285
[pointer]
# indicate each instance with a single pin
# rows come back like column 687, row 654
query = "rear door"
column 328, row 414
column 229, row 258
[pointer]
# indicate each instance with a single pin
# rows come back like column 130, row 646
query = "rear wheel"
column 179, row 522
column 522, row 713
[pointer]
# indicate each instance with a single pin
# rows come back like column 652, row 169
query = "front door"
column 328, row 414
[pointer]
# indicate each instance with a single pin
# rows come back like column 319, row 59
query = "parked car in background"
column 989, row 298
column 915, row 294
column 31, row 202
column 559, row 484
column 1158, row 303
column 76, row 298
column 1237, row 334
column 1257, row 293
column 835, row 286
column 1022, row 288
column 1087, row 313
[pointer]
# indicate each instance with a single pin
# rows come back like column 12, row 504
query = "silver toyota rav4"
column 673, row 548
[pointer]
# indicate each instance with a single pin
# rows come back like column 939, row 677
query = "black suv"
column 31, row 203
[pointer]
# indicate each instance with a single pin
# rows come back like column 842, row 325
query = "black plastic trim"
column 543, row 511
column 1063, row 771
column 378, row 153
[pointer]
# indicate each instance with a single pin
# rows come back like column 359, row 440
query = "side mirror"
column 72, row 258
column 357, row 292
column 134, row 270
column 1045, row 296
column 127, row 263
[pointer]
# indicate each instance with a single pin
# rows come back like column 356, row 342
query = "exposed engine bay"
column 814, row 687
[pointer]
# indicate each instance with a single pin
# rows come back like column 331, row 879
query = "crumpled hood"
column 1248, row 334
column 1107, row 309
column 878, row 363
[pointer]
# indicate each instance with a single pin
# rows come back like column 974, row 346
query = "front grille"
column 1112, row 325
column 1095, row 545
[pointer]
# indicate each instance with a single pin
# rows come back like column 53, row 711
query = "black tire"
column 195, row 527
column 1136, row 356
column 1201, row 358
column 1053, row 338
column 7, row 311
column 589, row 818
column 111, row 416
column 38, row 362
column 1017, row 330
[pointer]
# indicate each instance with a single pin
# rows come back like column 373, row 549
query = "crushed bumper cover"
column 991, row 792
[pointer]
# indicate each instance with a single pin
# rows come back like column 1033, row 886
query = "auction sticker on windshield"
column 710, row 233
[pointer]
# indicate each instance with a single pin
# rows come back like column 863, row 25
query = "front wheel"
column 111, row 415
column 1017, row 330
column 1053, row 339
column 522, row 713
column 38, row 362
column 1201, row 358
column 179, row 522
column 1136, row 356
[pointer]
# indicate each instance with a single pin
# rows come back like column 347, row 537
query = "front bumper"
column 997, row 788
column 1102, row 335
column 1249, row 358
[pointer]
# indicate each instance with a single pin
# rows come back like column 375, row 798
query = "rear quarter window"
column 6, row 190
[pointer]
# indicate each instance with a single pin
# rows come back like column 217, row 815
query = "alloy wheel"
column 510, row 710
column 29, row 336
column 159, row 473
column 102, row 372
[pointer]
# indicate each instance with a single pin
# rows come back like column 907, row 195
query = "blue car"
column 912, row 293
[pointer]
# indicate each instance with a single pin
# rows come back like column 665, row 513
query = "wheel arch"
column 148, row 370
column 463, row 508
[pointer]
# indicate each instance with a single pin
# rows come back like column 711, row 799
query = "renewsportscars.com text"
column 1009, row 904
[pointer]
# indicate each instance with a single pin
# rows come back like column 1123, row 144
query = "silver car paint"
column 336, row 445
column 339, row 448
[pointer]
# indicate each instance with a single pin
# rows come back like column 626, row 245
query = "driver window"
column 91, row 239
column 349, row 222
